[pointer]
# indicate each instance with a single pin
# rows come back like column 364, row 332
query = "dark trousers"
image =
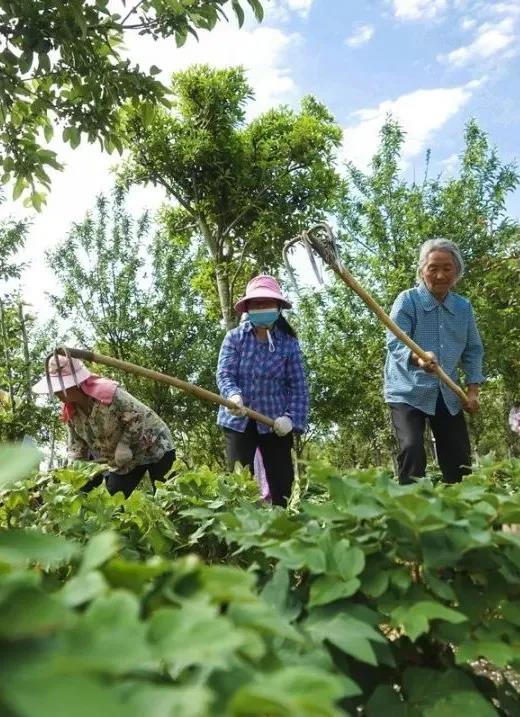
column 451, row 441
column 276, row 454
column 117, row 482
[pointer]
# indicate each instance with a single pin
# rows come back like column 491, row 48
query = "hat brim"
column 241, row 304
column 68, row 381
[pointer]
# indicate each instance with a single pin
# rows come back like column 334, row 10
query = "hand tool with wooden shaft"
column 191, row 388
column 320, row 239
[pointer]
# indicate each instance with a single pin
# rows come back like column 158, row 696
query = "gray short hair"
column 440, row 244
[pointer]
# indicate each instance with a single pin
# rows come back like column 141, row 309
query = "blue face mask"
column 263, row 317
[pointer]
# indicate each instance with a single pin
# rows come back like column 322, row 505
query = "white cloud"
column 418, row 9
column 361, row 35
column 262, row 50
column 450, row 165
column 420, row 114
column 302, row 7
column 468, row 23
column 282, row 10
column 503, row 8
column 491, row 39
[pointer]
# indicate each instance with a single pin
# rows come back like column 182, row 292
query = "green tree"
column 21, row 347
column 239, row 190
column 127, row 292
column 64, row 62
column 383, row 220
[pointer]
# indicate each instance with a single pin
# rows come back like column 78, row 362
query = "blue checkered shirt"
column 270, row 382
column 449, row 330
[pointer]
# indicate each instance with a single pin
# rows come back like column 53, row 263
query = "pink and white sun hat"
column 81, row 371
column 262, row 287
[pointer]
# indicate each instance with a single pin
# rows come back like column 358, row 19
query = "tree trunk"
column 26, row 356
column 224, row 295
column 7, row 359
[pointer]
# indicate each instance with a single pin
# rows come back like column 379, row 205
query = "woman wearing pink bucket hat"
column 108, row 425
column 260, row 365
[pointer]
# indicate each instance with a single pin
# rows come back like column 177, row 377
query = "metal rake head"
column 319, row 239
column 59, row 351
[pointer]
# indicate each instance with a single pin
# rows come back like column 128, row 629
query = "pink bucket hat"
column 81, row 371
column 262, row 287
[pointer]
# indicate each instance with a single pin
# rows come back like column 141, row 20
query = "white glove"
column 282, row 426
column 123, row 455
column 236, row 398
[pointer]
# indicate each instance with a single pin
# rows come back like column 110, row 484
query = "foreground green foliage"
column 202, row 601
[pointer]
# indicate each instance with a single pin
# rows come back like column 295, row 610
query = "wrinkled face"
column 439, row 273
column 255, row 304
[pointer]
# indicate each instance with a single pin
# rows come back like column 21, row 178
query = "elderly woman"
column 442, row 323
column 108, row 425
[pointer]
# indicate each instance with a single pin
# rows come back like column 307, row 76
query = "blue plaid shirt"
column 270, row 382
column 449, row 330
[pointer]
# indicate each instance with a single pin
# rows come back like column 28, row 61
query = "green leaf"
column 326, row 589
column 293, row 692
column 194, row 634
column 83, row 588
column 276, row 590
column 228, row 584
column 352, row 635
column 415, row 618
column 349, row 561
column 22, row 546
column 81, row 696
column 37, row 199
column 168, row 701
column 19, row 186
column 25, row 61
column 385, row 701
column 16, row 462
column 73, row 136
column 147, row 113
column 99, row 549
column 154, row 70
column 44, row 62
column 498, row 653
column 262, row 618
column 30, row 613
column 237, row 8
column 257, row 8
column 133, row 576
column 444, row 694
column 468, row 703
column 109, row 637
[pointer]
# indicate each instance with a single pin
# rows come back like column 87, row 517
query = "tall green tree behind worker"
column 239, row 188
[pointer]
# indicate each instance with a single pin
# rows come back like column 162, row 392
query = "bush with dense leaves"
column 365, row 595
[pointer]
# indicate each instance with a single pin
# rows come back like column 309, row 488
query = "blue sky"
column 433, row 64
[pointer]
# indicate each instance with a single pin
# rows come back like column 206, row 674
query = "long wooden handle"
column 191, row 388
column 347, row 277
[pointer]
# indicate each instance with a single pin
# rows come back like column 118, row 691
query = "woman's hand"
column 282, row 426
column 430, row 365
column 237, row 400
column 472, row 405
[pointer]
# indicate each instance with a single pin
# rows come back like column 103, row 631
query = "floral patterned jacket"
column 126, row 420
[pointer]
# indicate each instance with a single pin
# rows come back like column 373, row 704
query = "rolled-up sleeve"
column 227, row 367
column 473, row 354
